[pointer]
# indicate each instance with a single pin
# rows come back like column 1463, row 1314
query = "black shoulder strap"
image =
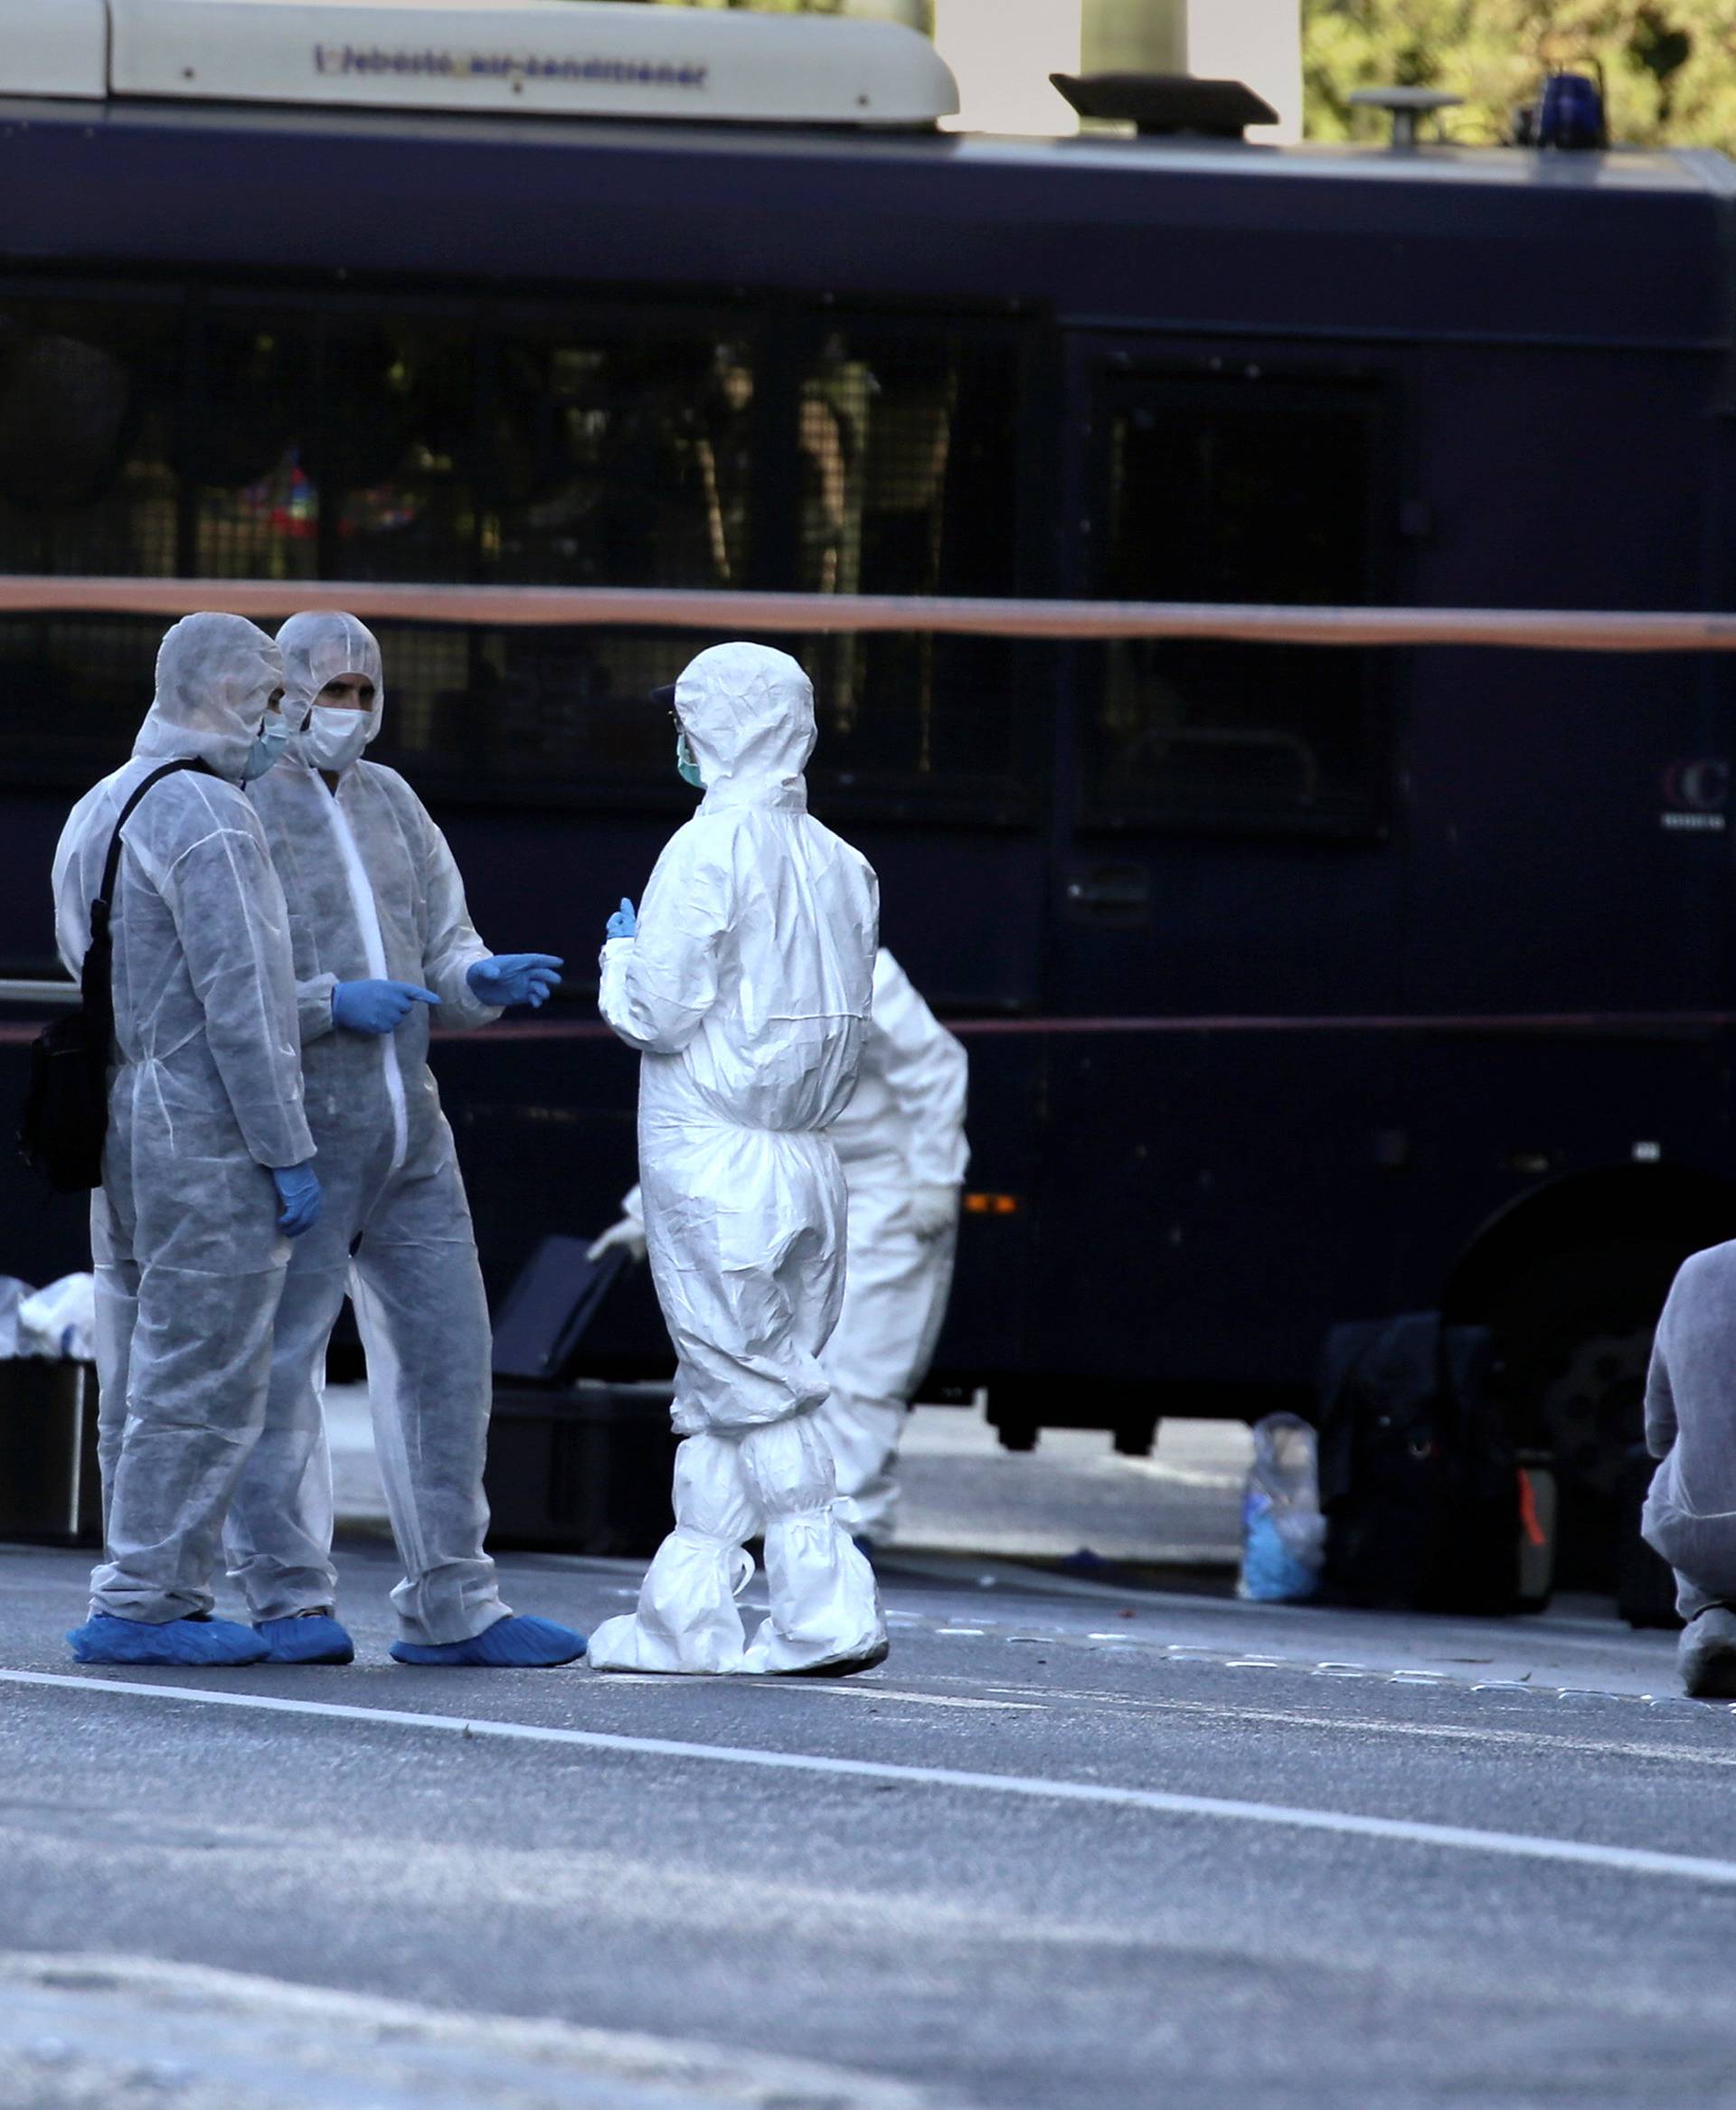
column 107, row 892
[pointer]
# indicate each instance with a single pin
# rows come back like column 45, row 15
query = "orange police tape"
column 791, row 614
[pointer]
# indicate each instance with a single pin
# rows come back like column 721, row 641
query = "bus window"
column 618, row 463
column 609, row 462
column 87, row 485
column 332, row 444
column 907, row 485
column 398, row 445
column 1240, row 489
column 87, row 394
column 247, row 449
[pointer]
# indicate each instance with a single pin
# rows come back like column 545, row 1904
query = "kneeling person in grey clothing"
column 1690, row 1515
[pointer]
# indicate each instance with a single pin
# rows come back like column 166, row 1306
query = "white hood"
column 749, row 713
column 214, row 676
column 317, row 646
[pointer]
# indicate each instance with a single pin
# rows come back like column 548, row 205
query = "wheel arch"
column 1673, row 1205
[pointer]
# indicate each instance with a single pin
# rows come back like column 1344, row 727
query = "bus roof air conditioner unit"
column 533, row 57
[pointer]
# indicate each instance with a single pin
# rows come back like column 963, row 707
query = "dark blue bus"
column 1300, row 984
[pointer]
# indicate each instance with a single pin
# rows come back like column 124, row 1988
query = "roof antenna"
column 1406, row 106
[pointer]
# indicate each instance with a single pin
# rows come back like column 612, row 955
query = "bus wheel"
column 1135, row 1436
column 1575, row 1337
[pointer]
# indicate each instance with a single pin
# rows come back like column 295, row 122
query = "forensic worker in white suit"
column 207, row 1171
column 902, row 1143
column 382, row 944
column 745, row 982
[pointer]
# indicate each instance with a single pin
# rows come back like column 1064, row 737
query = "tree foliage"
column 1669, row 65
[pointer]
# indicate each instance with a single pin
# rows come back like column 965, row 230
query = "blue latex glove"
column 623, row 923
column 375, row 1007
column 298, row 1191
column 515, row 978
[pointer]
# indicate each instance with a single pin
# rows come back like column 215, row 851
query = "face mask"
column 334, row 737
column 687, row 762
column 268, row 743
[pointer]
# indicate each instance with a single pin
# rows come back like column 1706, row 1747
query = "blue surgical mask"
column 268, row 743
column 687, row 762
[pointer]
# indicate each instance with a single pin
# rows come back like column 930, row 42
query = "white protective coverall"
column 373, row 893
column 902, row 1143
column 206, row 1094
column 747, row 989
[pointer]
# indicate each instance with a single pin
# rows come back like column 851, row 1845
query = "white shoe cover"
column 687, row 1618
column 825, row 1604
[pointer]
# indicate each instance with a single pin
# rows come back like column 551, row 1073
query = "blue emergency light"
column 1570, row 114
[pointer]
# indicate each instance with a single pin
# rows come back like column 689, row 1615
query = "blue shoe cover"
column 514, row 1644
column 203, row 1644
column 309, row 1637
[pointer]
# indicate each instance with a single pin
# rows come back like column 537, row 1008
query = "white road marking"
column 1513, row 1845
column 903, row 1698
column 857, row 1689
column 1363, row 1725
column 1478, row 1733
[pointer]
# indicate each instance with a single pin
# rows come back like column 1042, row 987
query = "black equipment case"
column 572, row 1467
column 50, row 1489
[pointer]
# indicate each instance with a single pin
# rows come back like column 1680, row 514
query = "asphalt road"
column 1070, row 1845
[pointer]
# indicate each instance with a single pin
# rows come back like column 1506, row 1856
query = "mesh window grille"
column 906, row 447
column 230, row 439
column 1249, row 490
column 89, row 482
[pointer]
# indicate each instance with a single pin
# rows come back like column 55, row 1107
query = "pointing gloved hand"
column 515, row 978
column 298, row 1191
column 623, row 923
column 375, row 1007
column 628, row 1232
column 932, row 1211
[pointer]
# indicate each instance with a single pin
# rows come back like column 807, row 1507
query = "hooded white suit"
column 903, row 1134
column 374, row 892
column 206, row 1094
column 747, row 991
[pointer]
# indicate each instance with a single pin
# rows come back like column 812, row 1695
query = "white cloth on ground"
column 58, row 1322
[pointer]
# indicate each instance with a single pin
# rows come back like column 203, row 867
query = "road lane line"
column 858, row 1689
column 1514, row 1845
column 1364, row 1725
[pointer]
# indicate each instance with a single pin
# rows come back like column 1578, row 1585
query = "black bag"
column 1419, row 1474
column 587, row 1471
column 64, row 1121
